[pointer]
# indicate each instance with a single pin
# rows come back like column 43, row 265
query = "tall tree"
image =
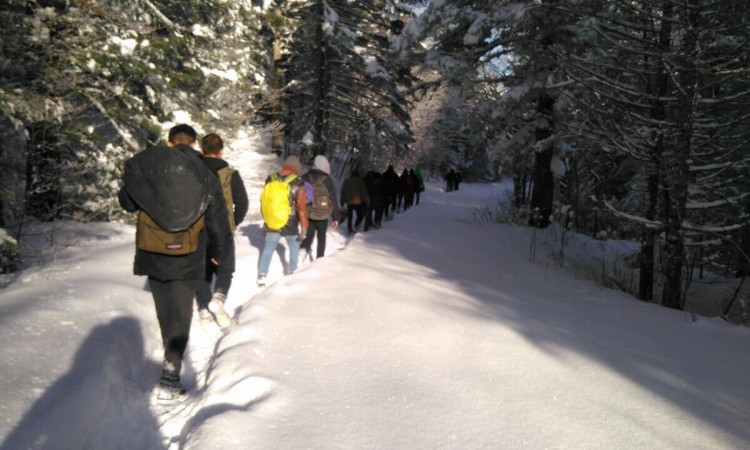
column 654, row 69
column 341, row 88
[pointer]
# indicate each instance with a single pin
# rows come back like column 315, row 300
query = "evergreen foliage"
column 632, row 115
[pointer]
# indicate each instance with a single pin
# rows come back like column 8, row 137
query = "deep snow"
column 433, row 332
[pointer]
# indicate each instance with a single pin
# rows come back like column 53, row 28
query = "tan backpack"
column 151, row 237
column 225, row 179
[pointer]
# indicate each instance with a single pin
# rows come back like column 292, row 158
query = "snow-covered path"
column 437, row 333
column 432, row 332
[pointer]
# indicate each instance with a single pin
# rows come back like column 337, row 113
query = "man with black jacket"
column 172, row 184
column 235, row 194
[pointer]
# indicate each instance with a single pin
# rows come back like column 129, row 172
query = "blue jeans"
column 272, row 241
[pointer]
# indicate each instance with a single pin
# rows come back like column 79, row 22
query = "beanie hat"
column 321, row 163
column 293, row 163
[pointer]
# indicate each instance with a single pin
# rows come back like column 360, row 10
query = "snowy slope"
column 432, row 332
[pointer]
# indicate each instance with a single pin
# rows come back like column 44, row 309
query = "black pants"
column 360, row 209
column 317, row 228
column 375, row 214
column 174, row 311
column 223, row 274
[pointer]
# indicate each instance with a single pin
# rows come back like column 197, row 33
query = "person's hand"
column 214, row 261
column 335, row 224
column 302, row 234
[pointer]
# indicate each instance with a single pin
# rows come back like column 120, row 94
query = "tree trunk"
column 542, row 193
column 542, row 190
column 679, row 150
column 277, row 142
column 653, row 178
column 319, row 90
column 43, row 189
column 648, row 239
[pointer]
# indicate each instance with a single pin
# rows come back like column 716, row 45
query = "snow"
column 435, row 331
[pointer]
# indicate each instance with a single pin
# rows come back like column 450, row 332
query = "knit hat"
column 293, row 164
column 321, row 163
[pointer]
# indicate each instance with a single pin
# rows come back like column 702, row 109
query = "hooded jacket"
column 160, row 178
column 321, row 168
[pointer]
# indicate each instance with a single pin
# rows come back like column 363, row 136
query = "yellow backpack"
column 276, row 201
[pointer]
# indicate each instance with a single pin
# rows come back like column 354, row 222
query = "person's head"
column 321, row 163
column 182, row 134
column 292, row 164
column 212, row 145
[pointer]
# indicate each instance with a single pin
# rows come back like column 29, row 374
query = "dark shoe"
column 170, row 387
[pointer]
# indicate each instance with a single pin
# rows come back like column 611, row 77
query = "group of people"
column 308, row 219
column 377, row 196
column 452, row 180
column 189, row 201
column 185, row 194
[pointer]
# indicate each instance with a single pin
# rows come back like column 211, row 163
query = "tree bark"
column 542, row 193
column 679, row 150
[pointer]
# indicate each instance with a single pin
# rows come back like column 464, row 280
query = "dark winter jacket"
column 392, row 183
column 239, row 193
column 173, row 184
column 375, row 188
column 354, row 191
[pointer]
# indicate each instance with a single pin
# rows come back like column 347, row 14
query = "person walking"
column 450, row 180
column 391, row 186
column 294, row 229
column 178, row 197
column 211, row 302
column 354, row 195
column 420, row 184
column 324, row 207
column 376, row 190
column 410, row 188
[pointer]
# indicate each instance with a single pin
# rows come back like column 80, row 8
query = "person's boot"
column 170, row 387
column 216, row 306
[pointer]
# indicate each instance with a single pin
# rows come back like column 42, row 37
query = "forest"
column 615, row 119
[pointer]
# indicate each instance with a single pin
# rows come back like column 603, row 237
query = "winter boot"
column 216, row 306
column 205, row 317
column 170, row 387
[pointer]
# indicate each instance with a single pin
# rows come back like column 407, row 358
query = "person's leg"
column 349, row 217
column 174, row 311
column 360, row 215
column 307, row 243
column 292, row 242
column 224, row 274
column 378, row 216
column 269, row 248
column 367, row 212
column 321, row 229
column 203, row 293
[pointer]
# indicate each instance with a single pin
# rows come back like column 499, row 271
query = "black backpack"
column 322, row 206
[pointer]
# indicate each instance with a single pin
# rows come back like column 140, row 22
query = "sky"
column 437, row 331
